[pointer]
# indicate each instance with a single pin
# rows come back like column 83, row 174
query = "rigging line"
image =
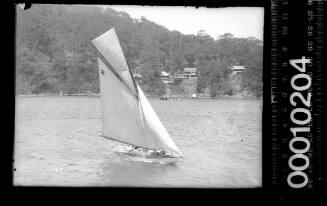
column 134, row 82
column 129, row 69
column 116, row 74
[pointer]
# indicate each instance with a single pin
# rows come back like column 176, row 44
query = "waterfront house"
column 185, row 73
column 164, row 77
column 190, row 72
column 237, row 69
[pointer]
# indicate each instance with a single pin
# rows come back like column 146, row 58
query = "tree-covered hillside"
column 54, row 52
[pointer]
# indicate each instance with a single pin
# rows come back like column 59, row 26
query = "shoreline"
column 148, row 96
column 55, row 95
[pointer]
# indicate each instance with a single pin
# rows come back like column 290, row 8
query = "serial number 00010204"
column 296, row 97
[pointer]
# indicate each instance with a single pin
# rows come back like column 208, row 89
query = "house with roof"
column 190, row 72
column 237, row 69
column 164, row 77
column 186, row 73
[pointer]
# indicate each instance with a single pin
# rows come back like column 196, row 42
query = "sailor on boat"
column 156, row 153
column 159, row 153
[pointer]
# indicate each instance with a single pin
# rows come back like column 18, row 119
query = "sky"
column 242, row 22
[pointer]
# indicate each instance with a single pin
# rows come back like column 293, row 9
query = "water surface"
column 58, row 142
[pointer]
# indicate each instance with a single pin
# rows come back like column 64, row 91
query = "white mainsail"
column 127, row 116
column 110, row 50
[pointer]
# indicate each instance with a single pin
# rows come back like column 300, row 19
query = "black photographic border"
column 266, row 192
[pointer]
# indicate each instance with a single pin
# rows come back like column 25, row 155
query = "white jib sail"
column 125, row 117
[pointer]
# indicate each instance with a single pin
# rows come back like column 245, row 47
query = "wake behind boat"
column 127, row 116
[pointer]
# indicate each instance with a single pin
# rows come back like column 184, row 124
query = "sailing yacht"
column 127, row 116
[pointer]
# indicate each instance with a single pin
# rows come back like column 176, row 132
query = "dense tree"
column 54, row 52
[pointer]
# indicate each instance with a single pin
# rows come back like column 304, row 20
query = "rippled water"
column 58, row 142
